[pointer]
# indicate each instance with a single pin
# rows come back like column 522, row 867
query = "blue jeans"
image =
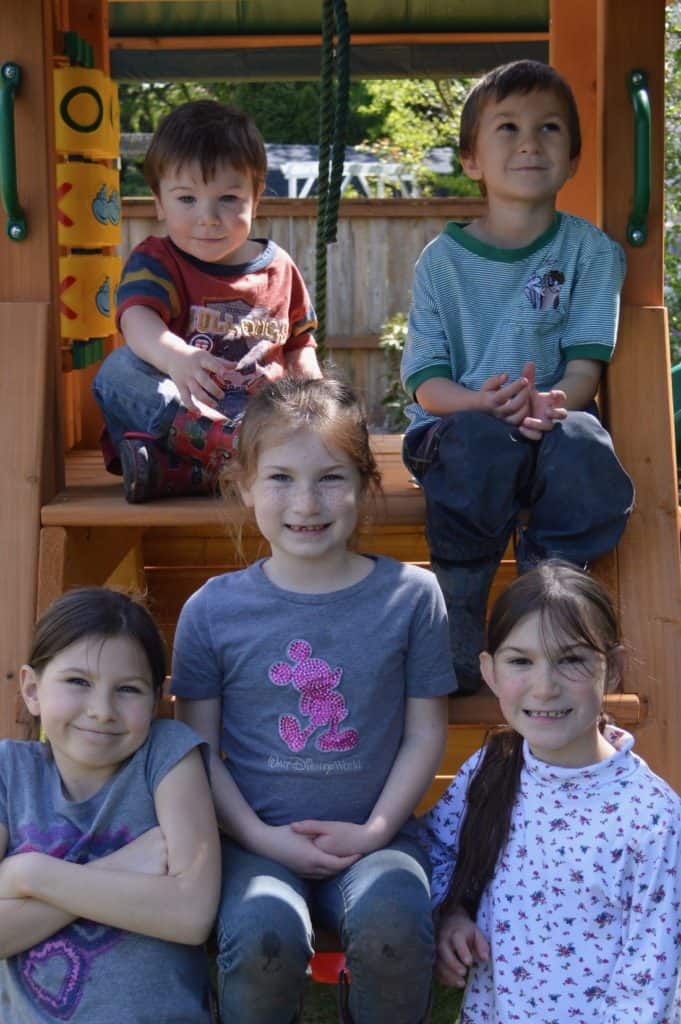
column 380, row 908
column 478, row 473
column 134, row 396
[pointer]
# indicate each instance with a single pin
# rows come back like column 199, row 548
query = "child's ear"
column 160, row 215
column 28, row 684
column 246, row 495
column 574, row 166
column 487, row 670
column 615, row 669
column 470, row 166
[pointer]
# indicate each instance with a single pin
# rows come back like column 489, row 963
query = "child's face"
column 96, row 701
column 209, row 220
column 306, row 498
column 553, row 699
column 522, row 148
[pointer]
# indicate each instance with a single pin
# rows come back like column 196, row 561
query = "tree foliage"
column 673, row 176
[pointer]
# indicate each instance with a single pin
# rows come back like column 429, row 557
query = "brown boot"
column 150, row 472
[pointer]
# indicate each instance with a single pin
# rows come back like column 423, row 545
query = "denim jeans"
column 478, row 473
column 380, row 908
column 134, row 396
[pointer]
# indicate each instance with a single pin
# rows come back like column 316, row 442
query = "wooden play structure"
column 64, row 522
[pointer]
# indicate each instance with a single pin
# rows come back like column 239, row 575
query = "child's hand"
column 546, row 408
column 459, row 943
column 194, row 372
column 341, row 838
column 507, row 401
column 302, row 855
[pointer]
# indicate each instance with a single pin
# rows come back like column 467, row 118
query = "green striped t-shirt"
column 478, row 310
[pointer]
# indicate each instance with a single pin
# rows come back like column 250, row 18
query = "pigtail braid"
column 484, row 832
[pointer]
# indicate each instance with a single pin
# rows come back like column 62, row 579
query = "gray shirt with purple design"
column 89, row 973
column 313, row 686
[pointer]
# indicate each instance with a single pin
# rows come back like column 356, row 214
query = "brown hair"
column 570, row 604
column 208, row 133
column 95, row 612
column 328, row 406
column 520, row 76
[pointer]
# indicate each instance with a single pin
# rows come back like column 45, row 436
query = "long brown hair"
column 570, row 603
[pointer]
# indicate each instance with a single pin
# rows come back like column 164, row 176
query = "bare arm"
column 237, row 818
column 26, row 922
column 302, row 362
column 190, row 368
column 505, row 400
column 423, row 744
column 580, row 382
column 178, row 906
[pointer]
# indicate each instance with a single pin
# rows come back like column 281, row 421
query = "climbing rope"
column 333, row 115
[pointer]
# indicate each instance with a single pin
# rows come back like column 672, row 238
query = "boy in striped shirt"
column 512, row 319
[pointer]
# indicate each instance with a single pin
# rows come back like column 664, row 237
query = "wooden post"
column 639, row 388
column 30, row 455
column 574, row 51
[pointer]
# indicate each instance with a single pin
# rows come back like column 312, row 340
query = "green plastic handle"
column 637, row 227
column 10, row 79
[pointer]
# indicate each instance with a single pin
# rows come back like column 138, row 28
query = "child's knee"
column 269, row 943
column 391, row 932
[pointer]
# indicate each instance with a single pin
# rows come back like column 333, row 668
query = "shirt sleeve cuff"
column 591, row 350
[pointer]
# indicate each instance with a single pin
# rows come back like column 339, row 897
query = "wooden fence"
column 370, row 267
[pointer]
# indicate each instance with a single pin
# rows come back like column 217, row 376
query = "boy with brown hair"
column 207, row 313
column 512, row 319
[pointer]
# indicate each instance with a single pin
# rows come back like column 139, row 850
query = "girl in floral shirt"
column 556, row 850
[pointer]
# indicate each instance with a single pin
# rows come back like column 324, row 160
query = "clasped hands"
column 519, row 403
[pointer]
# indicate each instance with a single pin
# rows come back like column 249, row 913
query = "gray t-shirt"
column 89, row 973
column 313, row 686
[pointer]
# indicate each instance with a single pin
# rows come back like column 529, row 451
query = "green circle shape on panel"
column 68, row 98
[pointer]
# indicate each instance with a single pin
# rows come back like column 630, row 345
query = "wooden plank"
column 574, row 51
column 83, row 556
column 649, row 570
column 634, row 38
column 439, row 208
column 247, row 42
column 24, row 341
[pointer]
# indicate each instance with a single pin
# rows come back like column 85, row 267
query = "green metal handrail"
column 10, row 79
column 637, row 228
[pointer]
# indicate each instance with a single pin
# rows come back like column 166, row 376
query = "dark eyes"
column 123, row 688
column 511, row 126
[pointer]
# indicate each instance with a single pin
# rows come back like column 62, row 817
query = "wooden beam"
column 264, row 42
column 24, row 340
column 574, row 51
column 649, row 571
column 633, row 38
column 444, row 208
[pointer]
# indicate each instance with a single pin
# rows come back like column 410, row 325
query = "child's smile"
column 550, row 692
column 210, row 220
column 306, row 499
column 96, row 701
column 522, row 148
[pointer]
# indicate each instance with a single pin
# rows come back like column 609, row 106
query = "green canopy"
column 180, row 19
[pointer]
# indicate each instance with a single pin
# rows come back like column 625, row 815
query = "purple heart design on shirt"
column 54, row 973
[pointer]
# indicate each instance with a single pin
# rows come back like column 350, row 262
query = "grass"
column 320, row 1004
